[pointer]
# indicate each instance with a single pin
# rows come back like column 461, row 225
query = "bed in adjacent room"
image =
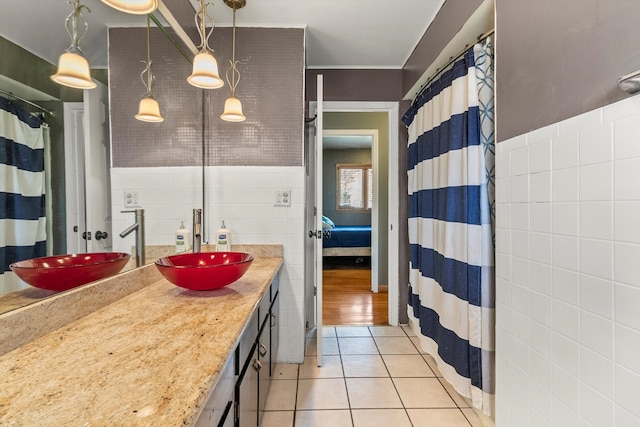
column 352, row 240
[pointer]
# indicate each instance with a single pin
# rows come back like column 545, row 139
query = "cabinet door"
column 227, row 418
column 218, row 403
column 247, row 342
column 275, row 332
column 247, row 392
column 264, row 378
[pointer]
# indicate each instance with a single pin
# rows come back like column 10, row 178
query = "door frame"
column 392, row 110
column 74, row 175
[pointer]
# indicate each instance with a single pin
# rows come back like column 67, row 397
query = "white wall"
column 568, row 272
column 242, row 196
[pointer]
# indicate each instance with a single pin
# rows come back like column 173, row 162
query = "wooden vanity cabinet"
column 218, row 411
column 256, row 366
column 239, row 397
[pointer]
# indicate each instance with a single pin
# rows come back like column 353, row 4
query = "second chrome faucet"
column 197, row 230
column 138, row 227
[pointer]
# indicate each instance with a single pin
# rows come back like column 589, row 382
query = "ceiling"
column 346, row 142
column 356, row 34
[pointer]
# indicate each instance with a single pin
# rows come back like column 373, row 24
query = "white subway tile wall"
column 242, row 196
column 568, row 272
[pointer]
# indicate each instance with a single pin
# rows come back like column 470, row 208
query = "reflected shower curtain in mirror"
column 450, row 180
column 22, row 188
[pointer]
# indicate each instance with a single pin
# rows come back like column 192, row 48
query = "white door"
column 97, row 163
column 87, row 173
column 310, row 218
column 317, row 233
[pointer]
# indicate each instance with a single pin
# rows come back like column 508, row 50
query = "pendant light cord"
column 233, row 53
column 149, row 75
column 201, row 25
column 73, row 20
column 234, row 64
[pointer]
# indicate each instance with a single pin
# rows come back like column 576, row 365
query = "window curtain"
column 450, row 185
column 22, row 190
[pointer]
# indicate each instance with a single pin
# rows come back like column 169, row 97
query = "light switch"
column 131, row 199
column 283, row 198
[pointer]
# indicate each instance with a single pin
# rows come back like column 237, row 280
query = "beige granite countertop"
column 149, row 358
column 17, row 299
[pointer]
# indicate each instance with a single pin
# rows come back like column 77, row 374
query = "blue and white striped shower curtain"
column 450, row 179
column 22, row 188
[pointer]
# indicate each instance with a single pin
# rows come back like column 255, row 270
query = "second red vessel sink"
column 63, row 272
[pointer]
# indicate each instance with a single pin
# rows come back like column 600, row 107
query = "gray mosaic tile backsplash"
column 270, row 88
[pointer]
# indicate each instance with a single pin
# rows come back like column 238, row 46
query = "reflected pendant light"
column 233, row 106
column 205, row 67
column 73, row 68
column 149, row 109
column 134, row 7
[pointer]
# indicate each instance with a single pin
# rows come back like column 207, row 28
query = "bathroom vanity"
column 241, row 390
column 161, row 355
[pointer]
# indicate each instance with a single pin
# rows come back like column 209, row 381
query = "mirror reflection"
column 55, row 191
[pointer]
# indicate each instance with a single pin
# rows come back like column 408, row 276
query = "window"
column 354, row 187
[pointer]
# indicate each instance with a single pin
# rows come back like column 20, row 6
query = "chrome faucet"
column 197, row 230
column 138, row 227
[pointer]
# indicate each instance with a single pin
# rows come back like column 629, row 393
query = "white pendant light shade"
column 134, row 7
column 149, row 110
column 73, row 71
column 73, row 67
column 233, row 110
column 233, row 106
column 205, row 72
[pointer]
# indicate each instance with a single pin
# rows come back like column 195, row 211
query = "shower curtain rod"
column 453, row 59
column 12, row 95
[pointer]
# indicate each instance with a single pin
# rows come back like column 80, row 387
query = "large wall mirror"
column 77, row 174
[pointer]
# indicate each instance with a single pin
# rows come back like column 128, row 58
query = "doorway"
column 355, row 287
column 389, row 221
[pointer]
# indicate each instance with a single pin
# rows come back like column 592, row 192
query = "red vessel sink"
column 204, row 271
column 62, row 272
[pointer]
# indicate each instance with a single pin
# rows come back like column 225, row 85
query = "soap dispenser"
column 223, row 239
column 182, row 238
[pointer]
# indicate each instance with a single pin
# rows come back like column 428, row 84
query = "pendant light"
column 73, row 67
column 149, row 109
column 205, row 67
column 233, row 106
column 135, row 7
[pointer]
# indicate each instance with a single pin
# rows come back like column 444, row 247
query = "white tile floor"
column 371, row 376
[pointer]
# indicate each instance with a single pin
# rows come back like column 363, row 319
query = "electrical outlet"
column 283, row 198
column 131, row 199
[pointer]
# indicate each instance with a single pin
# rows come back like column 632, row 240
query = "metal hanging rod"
column 453, row 59
column 26, row 101
column 170, row 37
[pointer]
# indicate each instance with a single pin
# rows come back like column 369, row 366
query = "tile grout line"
column 439, row 379
column 295, row 403
column 379, row 354
column 393, row 382
column 344, row 377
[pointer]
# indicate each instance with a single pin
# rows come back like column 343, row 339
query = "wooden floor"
column 347, row 299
